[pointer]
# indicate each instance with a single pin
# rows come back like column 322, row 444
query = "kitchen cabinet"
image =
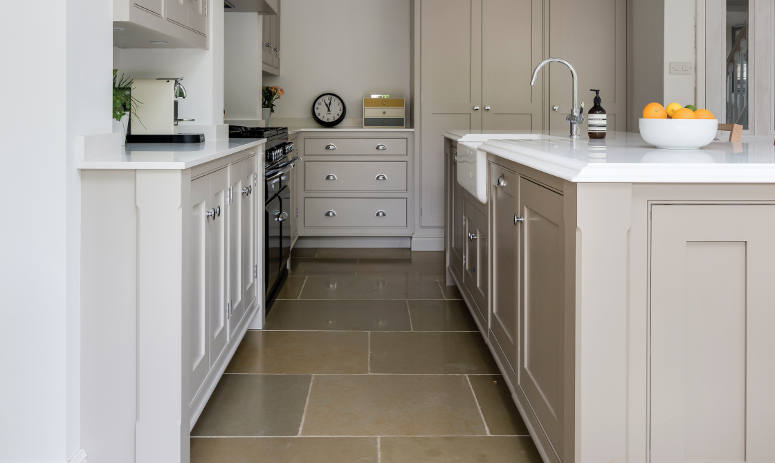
column 506, row 255
column 711, row 332
column 476, row 257
column 356, row 183
column 271, row 42
column 178, row 23
column 215, row 263
column 542, row 365
column 455, row 217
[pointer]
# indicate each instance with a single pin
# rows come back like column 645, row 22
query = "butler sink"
column 472, row 163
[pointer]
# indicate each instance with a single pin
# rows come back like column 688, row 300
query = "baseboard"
column 354, row 242
column 78, row 457
column 428, row 243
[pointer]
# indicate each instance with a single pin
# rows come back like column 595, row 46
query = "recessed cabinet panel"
column 354, row 176
column 249, row 237
column 357, row 146
column 355, row 212
column 154, row 6
column 216, row 264
column 504, row 205
column 198, row 310
column 542, row 312
column 476, row 267
column 712, row 373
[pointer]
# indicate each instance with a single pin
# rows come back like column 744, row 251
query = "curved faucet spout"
column 575, row 117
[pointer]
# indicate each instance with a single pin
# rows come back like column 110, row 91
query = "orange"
column 703, row 114
column 684, row 113
column 654, row 111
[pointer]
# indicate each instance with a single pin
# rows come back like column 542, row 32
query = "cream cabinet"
column 456, row 225
column 270, row 34
column 356, row 183
column 178, row 23
column 712, row 373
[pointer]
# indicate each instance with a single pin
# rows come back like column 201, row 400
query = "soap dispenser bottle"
column 597, row 120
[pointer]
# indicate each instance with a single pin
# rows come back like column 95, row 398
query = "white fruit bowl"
column 678, row 134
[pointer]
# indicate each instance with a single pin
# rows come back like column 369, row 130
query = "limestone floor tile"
column 292, row 287
column 500, row 413
column 423, row 287
column 301, row 352
column 304, row 252
column 364, row 253
column 355, row 287
column 441, row 316
column 450, row 292
column 430, row 353
column 423, row 266
column 307, row 267
column 371, row 405
column 284, row 450
column 489, row 449
column 372, row 315
column 254, row 405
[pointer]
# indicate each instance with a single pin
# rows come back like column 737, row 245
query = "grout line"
column 441, row 288
column 364, row 436
column 303, row 284
column 306, row 405
column 409, row 311
column 368, row 361
column 478, row 407
column 379, row 449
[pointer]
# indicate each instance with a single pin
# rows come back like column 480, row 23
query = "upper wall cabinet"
column 169, row 23
column 271, row 42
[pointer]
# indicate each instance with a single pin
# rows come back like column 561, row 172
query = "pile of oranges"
column 675, row 111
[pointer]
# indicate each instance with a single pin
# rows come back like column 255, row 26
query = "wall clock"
column 328, row 109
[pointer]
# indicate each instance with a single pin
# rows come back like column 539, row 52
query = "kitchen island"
column 625, row 292
column 172, row 237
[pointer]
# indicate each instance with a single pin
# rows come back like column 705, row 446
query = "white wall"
column 202, row 71
column 350, row 47
column 680, row 46
column 60, row 90
column 242, row 61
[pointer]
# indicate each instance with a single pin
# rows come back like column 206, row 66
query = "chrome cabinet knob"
column 381, row 214
column 518, row 219
column 555, row 108
column 331, row 177
column 472, row 236
column 210, row 214
column 488, row 108
column 330, row 213
column 381, row 177
column 381, row 147
column 501, row 182
column 267, row 45
column 476, row 108
column 247, row 190
column 330, row 147
column 281, row 217
column 218, row 211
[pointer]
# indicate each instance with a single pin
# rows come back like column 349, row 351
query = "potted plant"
column 270, row 95
column 123, row 103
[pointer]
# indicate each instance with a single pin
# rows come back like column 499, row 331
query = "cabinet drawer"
column 345, row 146
column 354, row 176
column 355, row 212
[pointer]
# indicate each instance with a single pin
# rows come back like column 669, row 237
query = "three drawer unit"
column 357, row 183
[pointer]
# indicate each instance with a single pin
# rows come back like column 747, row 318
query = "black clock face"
column 328, row 109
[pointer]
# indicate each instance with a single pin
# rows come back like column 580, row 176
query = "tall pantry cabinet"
column 473, row 60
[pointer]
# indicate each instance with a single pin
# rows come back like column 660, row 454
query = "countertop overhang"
column 623, row 157
column 165, row 156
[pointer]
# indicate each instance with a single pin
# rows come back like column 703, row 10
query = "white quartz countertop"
column 165, row 156
column 346, row 129
column 624, row 157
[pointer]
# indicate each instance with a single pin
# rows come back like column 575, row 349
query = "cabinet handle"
column 381, row 147
column 555, row 108
column 381, row 214
column 330, row 147
column 330, row 177
column 210, row 214
column 472, row 236
column 381, row 177
column 276, row 50
column 476, row 108
column 518, row 219
column 501, row 182
column 281, row 217
column 218, row 211
column 247, row 190
column 267, row 45
column 330, row 213
column 487, row 108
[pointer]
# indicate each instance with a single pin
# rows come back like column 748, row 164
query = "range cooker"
column 277, row 207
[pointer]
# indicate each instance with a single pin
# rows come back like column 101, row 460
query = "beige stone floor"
column 366, row 357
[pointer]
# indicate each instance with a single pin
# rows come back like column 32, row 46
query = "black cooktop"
column 240, row 131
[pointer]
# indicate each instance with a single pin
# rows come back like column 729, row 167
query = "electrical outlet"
column 681, row 68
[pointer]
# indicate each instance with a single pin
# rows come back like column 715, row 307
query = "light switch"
column 681, row 68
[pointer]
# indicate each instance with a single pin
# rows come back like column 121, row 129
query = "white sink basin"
column 472, row 163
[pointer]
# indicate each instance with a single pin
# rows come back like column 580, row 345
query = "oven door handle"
column 275, row 177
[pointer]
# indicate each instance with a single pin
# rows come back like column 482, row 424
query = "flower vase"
column 120, row 127
column 266, row 113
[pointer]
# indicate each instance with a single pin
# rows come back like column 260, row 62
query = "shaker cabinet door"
column 236, row 303
column 542, row 306
column 476, row 268
column 248, row 238
column 198, row 357
column 217, row 245
column 504, row 205
column 711, row 341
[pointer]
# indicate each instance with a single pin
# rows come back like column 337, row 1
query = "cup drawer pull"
column 381, row 178
column 330, row 213
column 381, row 147
column 330, row 147
column 330, row 177
column 381, row 214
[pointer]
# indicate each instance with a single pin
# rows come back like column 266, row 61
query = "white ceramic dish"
column 678, row 134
